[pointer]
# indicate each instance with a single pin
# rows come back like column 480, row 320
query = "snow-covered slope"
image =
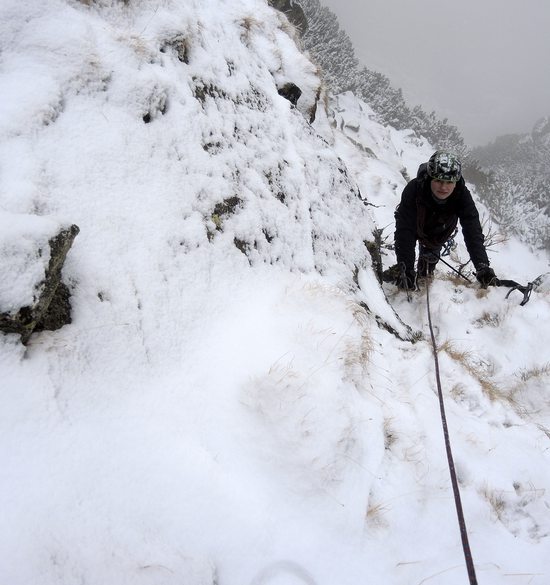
column 225, row 407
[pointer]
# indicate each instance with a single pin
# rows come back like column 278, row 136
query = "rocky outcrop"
column 293, row 11
column 51, row 308
column 291, row 92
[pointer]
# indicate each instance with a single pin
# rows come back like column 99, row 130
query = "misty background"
column 482, row 65
column 463, row 92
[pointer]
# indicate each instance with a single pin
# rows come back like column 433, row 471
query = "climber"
column 430, row 208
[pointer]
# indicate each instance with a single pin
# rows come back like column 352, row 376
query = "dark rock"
column 293, row 11
column 179, row 46
column 58, row 312
column 291, row 92
column 52, row 308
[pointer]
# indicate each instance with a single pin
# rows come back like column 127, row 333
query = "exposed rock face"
column 293, row 12
column 51, row 309
column 291, row 92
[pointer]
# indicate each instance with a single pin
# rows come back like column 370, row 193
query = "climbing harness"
column 458, row 503
column 450, row 245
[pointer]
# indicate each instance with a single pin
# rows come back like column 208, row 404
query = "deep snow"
column 223, row 409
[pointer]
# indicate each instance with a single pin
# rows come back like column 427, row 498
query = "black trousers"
column 427, row 259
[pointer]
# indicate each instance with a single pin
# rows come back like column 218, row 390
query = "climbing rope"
column 458, row 503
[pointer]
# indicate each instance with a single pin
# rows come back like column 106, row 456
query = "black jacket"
column 420, row 217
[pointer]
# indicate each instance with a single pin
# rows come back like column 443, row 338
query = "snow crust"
column 228, row 405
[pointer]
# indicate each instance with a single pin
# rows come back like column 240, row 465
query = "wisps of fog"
column 483, row 65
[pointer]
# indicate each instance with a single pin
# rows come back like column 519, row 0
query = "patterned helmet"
column 444, row 166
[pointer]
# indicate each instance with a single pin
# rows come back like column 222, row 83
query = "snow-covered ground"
column 223, row 408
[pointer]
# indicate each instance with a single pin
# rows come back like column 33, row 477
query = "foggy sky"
column 483, row 64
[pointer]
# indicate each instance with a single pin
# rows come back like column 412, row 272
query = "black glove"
column 406, row 280
column 485, row 275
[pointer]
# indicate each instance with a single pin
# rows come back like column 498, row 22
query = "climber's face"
column 442, row 189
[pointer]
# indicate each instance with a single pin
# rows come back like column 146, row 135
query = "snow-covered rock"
column 32, row 253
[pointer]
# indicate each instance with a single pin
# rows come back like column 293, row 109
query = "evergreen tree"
column 333, row 51
column 330, row 47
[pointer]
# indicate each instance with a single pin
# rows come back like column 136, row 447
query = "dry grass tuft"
column 458, row 391
column 536, row 375
column 453, row 278
column 479, row 369
column 492, row 319
column 375, row 515
column 481, row 293
column 359, row 353
column 248, row 23
column 495, row 499
column 534, row 372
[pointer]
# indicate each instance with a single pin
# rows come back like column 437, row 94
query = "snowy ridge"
column 224, row 408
